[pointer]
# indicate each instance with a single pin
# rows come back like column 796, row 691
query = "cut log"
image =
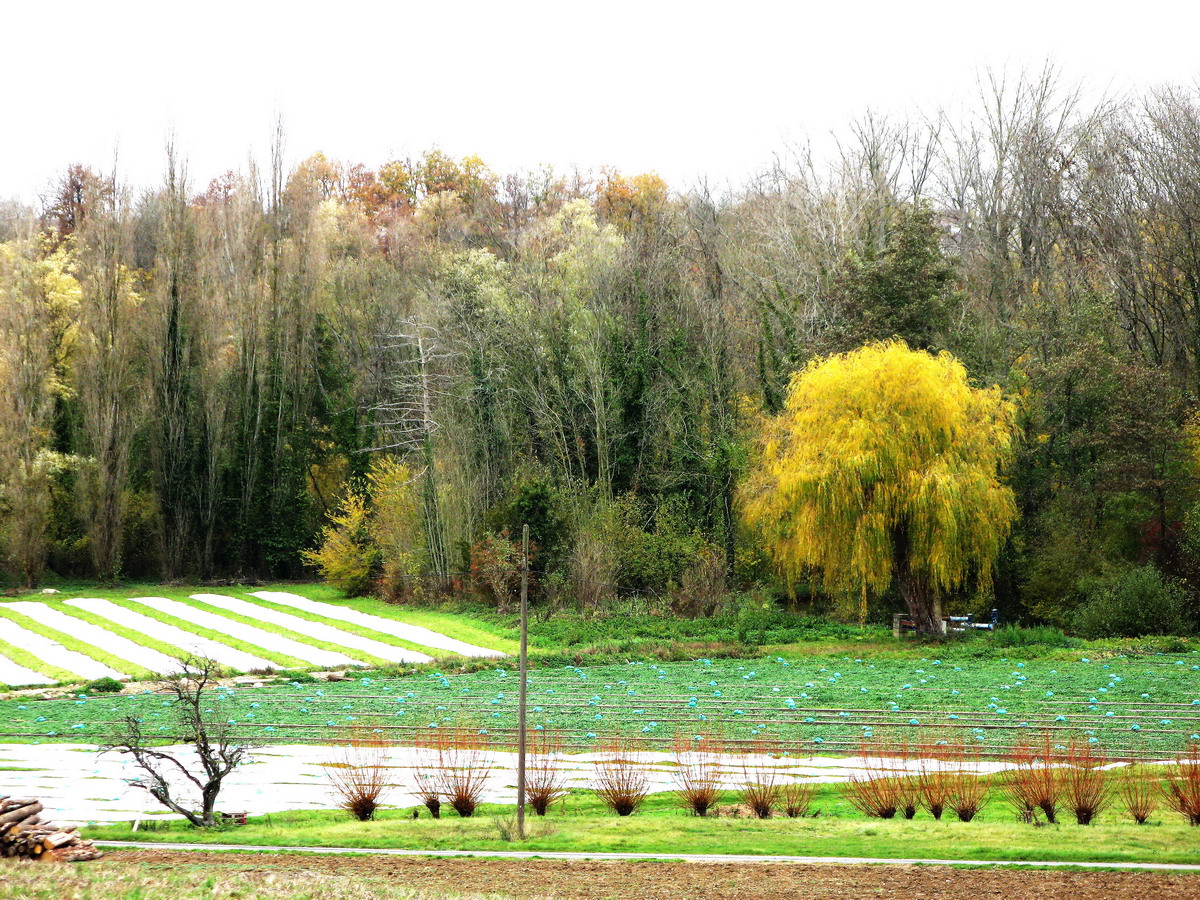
column 19, row 813
column 25, row 836
column 29, row 822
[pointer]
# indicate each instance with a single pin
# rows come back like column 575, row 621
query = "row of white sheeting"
column 176, row 637
column 313, row 629
column 79, row 785
column 144, row 657
column 18, row 676
column 414, row 633
column 246, row 633
column 55, row 654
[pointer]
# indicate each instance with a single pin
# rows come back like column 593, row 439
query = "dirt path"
column 691, row 858
column 586, row 880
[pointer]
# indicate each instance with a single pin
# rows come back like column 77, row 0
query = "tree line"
column 389, row 371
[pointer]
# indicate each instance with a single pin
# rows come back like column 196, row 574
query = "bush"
column 1136, row 602
column 1037, row 636
column 396, row 528
column 347, row 554
column 1182, row 787
column 104, row 685
column 496, row 569
column 359, row 770
column 621, row 782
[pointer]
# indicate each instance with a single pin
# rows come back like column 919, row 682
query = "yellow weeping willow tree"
column 884, row 467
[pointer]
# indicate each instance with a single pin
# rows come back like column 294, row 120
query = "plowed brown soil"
column 682, row 881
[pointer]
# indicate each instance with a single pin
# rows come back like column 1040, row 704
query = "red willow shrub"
column 1138, row 793
column 464, row 765
column 760, row 781
column 1087, row 786
column 359, row 769
column 909, row 787
column 698, row 772
column 1182, row 787
column 1036, row 780
column 933, row 777
column 426, row 772
column 621, row 782
column 796, row 798
column 876, row 791
column 545, row 780
column 967, row 792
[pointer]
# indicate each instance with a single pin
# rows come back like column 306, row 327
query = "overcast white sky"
column 678, row 88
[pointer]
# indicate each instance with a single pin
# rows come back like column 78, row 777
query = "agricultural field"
column 81, row 636
column 809, row 698
column 1129, row 705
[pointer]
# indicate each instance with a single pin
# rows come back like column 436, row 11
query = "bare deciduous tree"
column 202, row 727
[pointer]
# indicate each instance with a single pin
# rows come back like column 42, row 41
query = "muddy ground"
column 674, row 880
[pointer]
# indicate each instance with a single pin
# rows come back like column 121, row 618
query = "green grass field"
column 662, row 826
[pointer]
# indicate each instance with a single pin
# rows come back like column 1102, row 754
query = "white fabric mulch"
column 18, row 676
column 414, row 633
column 246, row 633
column 78, row 785
column 176, row 637
column 106, row 640
column 313, row 629
column 55, row 654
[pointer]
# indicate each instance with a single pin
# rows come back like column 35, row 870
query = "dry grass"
column 1182, row 787
column 545, row 780
column 621, row 782
column 698, row 772
column 110, row 879
column 359, row 771
column 1139, row 794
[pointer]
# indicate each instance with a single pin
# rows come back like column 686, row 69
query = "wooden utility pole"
column 521, row 738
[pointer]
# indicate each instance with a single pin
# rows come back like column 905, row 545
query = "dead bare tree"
column 417, row 384
column 200, row 724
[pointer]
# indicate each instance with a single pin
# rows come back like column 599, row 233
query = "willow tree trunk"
column 923, row 602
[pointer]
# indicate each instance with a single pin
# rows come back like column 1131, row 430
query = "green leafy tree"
column 906, row 291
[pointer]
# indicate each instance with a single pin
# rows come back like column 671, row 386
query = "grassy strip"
column 282, row 659
column 282, row 631
column 581, row 824
column 463, row 624
column 452, row 626
column 137, row 637
column 111, row 660
column 351, row 628
column 24, row 658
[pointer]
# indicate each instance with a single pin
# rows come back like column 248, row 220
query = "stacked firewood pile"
column 23, row 834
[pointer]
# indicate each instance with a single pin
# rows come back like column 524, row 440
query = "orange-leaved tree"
column 885, row 468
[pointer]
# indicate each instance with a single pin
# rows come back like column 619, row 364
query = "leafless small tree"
column 201, row 725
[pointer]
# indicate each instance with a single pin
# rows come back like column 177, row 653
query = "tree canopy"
column 885, row 467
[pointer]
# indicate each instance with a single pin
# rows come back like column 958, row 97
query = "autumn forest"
column 380, row 371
